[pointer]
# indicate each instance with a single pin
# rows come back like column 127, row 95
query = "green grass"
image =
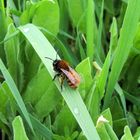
column 100, row 40
column 72, row 97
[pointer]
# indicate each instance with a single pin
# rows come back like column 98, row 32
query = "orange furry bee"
column 63, row 70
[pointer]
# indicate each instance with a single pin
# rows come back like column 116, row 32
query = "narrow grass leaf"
column 114, row 35
column 3, row 24
column 19, row 131
column 110, row 131
column 104, row 74
column 72, row 97
column 10, row 36
column 101, row 84
column 99, row 42
column 90, row 29
column 15, row 93
column 122, row 97
column 131, row 98
column 12, row 51
column 124, row 45
column 77, row 13
column 12, row 6
column 40, row 128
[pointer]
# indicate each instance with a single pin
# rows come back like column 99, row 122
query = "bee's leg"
column 56, row 75
column 62, row 81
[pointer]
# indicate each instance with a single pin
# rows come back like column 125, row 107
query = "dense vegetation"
column 100, row 39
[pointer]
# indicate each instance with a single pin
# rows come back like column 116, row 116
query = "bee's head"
column 55, row 62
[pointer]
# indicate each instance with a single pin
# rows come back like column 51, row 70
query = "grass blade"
column 89, row 30
column 19, row 131
column 124, row 45
column 15, row 93
column 72, row 97
column 44, row 131
column 122, row 97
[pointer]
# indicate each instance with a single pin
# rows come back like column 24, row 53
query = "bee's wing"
column 72, row 75
column 75, row 74
column 69, row 75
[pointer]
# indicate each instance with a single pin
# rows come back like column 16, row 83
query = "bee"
column 64, row 71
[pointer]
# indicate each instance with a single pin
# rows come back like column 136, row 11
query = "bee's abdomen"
column 71, row 84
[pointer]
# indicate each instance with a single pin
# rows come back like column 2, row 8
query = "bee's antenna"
column 49, row 58
column 56, row 53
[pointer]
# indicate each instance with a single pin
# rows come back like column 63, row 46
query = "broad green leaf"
column 36, row 89
column 3, row 97
column 32, row 63
column 48, row 19
column 137, row 134
column 15, row 93
column 127, row 134
column 109, row 6
column 28, row 13
column 132, row 121
column 41, row 94
column 137, row 39
column 84, row 70
column 118, row 126
column 50, row 99
column 19, row 130
column 12, row 51
column 116, row 109
column 40, row 128
column 132, row 74
column 77, row 11
column 74, row 101
column 64, row 123
column 3, row 124
column 123, row 47
column 64, row 18
column 6, row 101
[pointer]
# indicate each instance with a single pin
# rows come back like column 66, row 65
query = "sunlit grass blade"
column 124, row 45
column 89, row 29
column 72, row 97
column 15, row 93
